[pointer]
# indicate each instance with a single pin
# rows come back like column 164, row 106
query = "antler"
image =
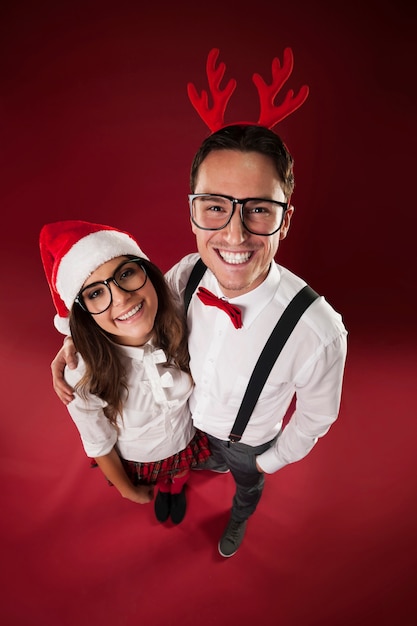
column 269, row 113
column 214, row 117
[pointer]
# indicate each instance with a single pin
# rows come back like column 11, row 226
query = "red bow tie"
column 233, row 311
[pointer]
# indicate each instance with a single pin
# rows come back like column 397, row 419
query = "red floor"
column 333, row 542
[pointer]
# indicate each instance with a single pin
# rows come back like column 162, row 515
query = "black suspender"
column 196, row 275
column 269, row 355
column 270, row 352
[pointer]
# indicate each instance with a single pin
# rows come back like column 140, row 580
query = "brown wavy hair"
column 105, row 375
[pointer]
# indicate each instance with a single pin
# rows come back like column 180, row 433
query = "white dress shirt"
column 156, row 417
column 310, row 365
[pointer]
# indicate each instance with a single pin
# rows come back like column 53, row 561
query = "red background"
column 95, row 124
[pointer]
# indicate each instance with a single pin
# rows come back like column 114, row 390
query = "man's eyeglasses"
column 97, row 297
column 214, row 212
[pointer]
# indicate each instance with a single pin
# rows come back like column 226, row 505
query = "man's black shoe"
column 232, row 538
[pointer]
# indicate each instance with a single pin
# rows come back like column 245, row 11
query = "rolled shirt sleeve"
column 97, row 434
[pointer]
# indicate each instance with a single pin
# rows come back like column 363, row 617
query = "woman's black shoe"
column 162, row 506
column 178, row 506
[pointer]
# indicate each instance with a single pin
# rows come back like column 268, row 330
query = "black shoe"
column 232, row 538
column 162, row 506
column 178, row 506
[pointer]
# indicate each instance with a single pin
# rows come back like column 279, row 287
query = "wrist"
column 127, row 491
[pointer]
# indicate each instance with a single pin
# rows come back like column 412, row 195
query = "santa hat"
column 71, row 250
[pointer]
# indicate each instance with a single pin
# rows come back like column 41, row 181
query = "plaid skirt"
column 197, row 451
column 150, row 473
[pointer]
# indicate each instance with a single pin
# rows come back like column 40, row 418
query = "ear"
column 286, row 223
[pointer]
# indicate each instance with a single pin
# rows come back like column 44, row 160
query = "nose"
column 235, row 232
column 118, row 295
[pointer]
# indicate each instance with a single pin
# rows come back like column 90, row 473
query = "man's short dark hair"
column 248, row 138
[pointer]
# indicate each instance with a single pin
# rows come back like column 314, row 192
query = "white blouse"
column 156, row 421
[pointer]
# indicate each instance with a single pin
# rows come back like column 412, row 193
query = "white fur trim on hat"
column 62, row 324
column 86, row 255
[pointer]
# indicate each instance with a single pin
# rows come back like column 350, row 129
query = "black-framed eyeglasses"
column 129, row 276
column 259, row 216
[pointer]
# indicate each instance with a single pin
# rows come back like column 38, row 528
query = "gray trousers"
column 241, row 460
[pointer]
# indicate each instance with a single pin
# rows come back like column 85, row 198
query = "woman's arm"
column 112, row 467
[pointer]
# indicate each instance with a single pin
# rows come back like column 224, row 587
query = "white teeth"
column 132, row 312
column 235, row 257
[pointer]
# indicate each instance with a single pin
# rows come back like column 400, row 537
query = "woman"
column 132, row 381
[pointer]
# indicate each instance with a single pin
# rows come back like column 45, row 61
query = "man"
column 241, row 183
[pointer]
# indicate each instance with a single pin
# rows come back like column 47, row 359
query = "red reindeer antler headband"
column 270, row 114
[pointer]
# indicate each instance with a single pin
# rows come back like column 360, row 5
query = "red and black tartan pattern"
column 196, row 452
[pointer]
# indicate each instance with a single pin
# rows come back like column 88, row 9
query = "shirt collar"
column 137, row 353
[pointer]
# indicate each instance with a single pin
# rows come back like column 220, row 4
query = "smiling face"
column 131, row 316
column 239, row 260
